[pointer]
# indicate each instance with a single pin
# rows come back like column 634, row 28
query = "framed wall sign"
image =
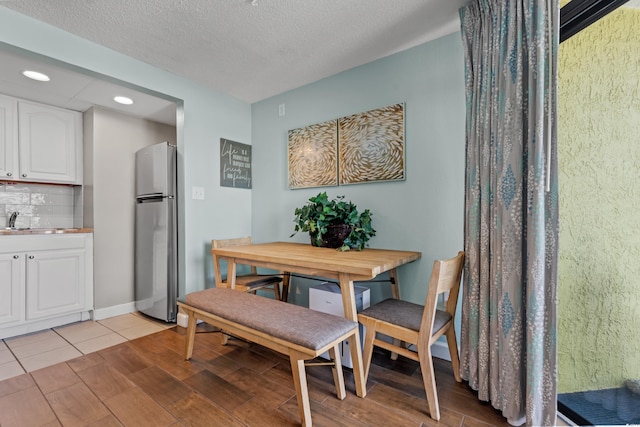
column 235, row 164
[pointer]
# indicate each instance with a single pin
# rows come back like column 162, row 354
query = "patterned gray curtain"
column 508, row 339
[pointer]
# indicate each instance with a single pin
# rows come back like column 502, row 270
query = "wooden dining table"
column 345, row 267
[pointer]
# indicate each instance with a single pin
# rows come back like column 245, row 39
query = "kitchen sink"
column 48, row 230
column 37, row 230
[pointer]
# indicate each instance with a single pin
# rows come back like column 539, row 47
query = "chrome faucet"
column 12, row 220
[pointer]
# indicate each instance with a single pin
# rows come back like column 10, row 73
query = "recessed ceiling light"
column 123, row 100
column 35, row 75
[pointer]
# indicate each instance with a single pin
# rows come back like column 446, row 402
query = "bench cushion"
column 298, row 325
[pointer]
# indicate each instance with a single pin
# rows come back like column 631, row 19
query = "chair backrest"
column 226, row 243
column 445, row 277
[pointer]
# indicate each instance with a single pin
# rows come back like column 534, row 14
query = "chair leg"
column 276, row 291
column 429, row 379
column 191, row 335
column 285, row 286
column 336, row 370
column 369, row 337
column 453, row 352
column 224, row 338
column 302, row 390
column 397, row 343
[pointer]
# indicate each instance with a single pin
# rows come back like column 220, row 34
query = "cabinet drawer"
column 45, row 242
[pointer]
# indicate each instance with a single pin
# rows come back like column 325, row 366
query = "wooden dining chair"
column 419, row 325
column 252, row 281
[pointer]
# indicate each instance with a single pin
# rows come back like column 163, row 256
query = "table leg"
column 395, row 294
column 349, row 305
column 231, row 273
column 216, row 270
column 395, row 285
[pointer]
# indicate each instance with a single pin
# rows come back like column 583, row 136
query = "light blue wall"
column 208, row 116
column 423, row 213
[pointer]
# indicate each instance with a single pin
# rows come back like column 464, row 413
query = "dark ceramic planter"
column 334, row 237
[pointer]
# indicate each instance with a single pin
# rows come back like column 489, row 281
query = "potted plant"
column 334, row 223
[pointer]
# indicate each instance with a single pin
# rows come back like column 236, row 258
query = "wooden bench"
column 298, row 332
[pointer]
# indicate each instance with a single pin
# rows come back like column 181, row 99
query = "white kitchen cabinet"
column 47, row 278
column 11, row 288
column 50, row 143
column 39, row 143
column 55, row 282
column 8, row 137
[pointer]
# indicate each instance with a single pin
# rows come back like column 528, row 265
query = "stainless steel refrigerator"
column 156, row 239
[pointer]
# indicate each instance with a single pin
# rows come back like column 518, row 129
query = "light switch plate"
column 197, row 193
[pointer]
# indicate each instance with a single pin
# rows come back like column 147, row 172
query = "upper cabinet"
column 39, row 143
column 8, row 137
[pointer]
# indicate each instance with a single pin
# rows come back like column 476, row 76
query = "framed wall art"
column 360, row 148
column 371, row 146
column 313, row 158
column 235, row 164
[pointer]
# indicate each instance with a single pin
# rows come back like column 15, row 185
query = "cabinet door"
column 55, row 282
column 8, row 138
column 49, row 143
column 11, row 288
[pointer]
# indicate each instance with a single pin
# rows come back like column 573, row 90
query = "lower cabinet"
column 12, row 274
column 55, row 282
column 45, row 281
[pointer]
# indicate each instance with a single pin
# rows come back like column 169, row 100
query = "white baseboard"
column 440, row 350
column 39, row 325
column 116, row 310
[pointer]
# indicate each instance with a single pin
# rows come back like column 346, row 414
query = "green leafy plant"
column 320, row 213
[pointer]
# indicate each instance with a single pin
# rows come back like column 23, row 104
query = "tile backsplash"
column 41, row 205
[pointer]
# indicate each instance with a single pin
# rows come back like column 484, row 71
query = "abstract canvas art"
column 363, row 147
column 371, row 146
column 313, row 158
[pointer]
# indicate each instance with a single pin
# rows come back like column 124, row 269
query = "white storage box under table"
column 327, row 298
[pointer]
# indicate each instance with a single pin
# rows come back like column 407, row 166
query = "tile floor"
column 38, row 350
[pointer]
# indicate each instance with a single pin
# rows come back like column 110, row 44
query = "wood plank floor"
column 146, row 382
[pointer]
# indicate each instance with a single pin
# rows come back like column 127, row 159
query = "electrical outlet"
column 197, row 193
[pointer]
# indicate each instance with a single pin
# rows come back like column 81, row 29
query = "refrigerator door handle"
column 152, row 198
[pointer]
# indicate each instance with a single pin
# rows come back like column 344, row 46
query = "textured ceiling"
column 251, row 49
